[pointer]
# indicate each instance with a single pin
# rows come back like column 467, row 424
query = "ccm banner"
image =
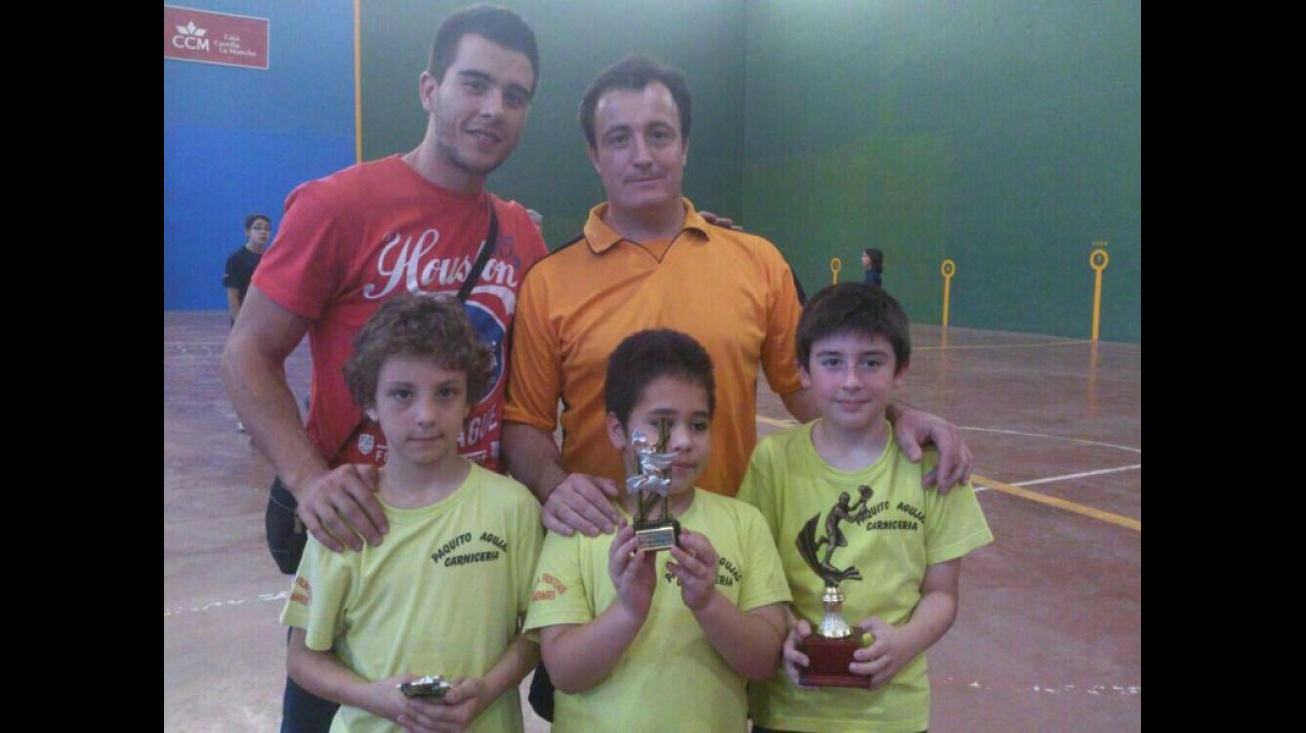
column 214, row 38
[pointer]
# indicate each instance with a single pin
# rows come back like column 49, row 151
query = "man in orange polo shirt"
column 646, row 259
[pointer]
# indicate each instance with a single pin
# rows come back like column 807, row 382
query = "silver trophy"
column 650, row 480
column 429, row 686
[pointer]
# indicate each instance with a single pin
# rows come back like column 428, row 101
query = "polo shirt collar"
column 602, row 237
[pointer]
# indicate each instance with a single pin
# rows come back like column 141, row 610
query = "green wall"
column 550, row 171
column 1005, row 135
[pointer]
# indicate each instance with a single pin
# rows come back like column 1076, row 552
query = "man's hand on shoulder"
column 581, row 503
column 721, row 221
column 340, row 507
column 916, row 429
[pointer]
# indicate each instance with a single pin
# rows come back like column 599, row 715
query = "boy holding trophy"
column 890, row 554
column 636, row 640
column 423, row 630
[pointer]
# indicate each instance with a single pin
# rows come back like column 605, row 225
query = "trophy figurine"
column 650, row 480
column 832, row 643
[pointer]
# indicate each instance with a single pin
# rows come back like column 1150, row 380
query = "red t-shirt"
column 353, row 239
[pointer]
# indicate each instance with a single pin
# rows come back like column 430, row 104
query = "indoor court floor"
column 1049, row 634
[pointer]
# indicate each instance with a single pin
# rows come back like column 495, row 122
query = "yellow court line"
column 1059, row 503
column 1014, row 490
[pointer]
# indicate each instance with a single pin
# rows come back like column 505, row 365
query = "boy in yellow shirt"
column 636, row 641
column 905, row 542
column 445, row 593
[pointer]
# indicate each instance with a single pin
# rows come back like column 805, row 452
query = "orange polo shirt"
column 731, row 291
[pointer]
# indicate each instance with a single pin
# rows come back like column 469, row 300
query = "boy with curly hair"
column 446, row 592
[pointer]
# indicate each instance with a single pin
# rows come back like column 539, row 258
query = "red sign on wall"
column 214, row 38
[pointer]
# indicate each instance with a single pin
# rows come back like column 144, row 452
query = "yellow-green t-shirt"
column 907, row 529
column 442, row 594
column 671, row 679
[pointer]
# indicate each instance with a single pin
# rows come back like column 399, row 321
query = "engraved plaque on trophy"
column 832, row 643
column 651, row 481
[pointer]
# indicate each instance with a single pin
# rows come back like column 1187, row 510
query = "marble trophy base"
column 829, row 662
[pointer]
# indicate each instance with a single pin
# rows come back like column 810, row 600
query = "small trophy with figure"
column 650, row 480
column 832, row 643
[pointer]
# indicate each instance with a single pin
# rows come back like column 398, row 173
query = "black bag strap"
column 488, row 249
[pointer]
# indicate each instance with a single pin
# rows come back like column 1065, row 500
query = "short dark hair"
column 876, row 257
column 497, row 24
column 857, row 309
column 249, row 220
column 417, row 325
column 636, row 72
column 647, row 355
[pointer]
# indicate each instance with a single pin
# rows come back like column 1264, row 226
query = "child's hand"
column 385, row 700
column 451, row 713
column 793, row 658
column 884, row 658
column 633, row 573
column 694, row 563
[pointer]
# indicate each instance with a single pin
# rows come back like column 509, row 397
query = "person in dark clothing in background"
column 873, row 262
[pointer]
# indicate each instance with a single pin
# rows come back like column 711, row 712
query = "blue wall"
column 1003, row 134
column 237, row 140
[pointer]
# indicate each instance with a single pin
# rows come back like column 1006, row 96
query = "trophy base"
column 655, row 536
column 829, row 662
